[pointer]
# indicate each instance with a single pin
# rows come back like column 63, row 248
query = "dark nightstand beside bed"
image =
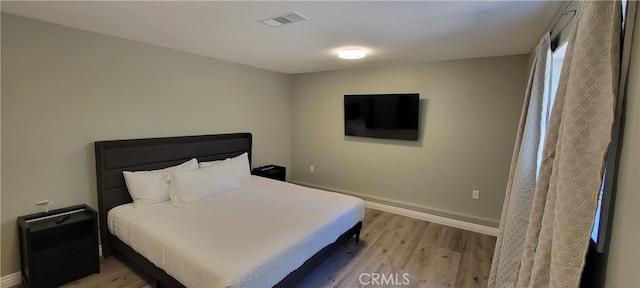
column 271, row 171
column 59, row 246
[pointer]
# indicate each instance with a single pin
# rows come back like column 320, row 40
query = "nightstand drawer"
column 65, row 263
column 57, row 275
column 65, row 254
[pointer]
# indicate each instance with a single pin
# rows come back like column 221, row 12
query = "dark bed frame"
column 113, row 157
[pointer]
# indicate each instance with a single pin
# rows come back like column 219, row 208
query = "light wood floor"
column 432, row 255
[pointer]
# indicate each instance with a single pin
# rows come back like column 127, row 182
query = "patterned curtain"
column 522, row 179
column 570, row 177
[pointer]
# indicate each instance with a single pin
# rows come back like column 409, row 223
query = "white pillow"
column 210, row 163
column 192, row 185
column 241, row 167
column 148, row 187
column 239, row 163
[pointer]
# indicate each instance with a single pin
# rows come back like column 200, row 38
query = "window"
column 554, row 68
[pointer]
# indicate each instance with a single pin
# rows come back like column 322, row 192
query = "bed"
column 282, row 265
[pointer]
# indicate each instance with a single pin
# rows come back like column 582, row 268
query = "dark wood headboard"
column 113, row 157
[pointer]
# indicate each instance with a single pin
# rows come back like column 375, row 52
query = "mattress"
column 251, row 237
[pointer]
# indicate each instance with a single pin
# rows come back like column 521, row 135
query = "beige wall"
column 63, row 89
column 624, row 254
column 470, row 112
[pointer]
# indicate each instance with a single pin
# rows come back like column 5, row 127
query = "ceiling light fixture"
column 351, row 53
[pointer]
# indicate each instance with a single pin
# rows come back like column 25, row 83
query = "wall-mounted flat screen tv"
column 391, row 116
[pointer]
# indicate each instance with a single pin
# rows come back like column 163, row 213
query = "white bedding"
column 252, row 237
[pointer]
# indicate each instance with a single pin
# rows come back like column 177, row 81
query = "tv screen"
column 392, row 116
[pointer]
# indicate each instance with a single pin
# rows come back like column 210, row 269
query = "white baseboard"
column 14, row 279
column 376, row 203
column 433, row 218
column 11, row 280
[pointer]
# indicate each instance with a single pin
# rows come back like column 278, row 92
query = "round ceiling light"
column 351, row 53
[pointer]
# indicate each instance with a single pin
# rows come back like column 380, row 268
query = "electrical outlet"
column 312, row 169
column 476, row 194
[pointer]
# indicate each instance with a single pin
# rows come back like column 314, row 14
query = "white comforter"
column 252, row 237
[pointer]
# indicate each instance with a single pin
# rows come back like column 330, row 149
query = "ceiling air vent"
column 287, row 18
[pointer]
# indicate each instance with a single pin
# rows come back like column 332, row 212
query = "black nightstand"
column 271, row 171
column 59, row 246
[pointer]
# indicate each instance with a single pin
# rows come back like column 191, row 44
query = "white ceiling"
column 391, row 32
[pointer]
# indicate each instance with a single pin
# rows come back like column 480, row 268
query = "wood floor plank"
column 441, row 268
column 429, row 240
column 431, row 255
column 412, row 241
column 475, row 261
column 454, row 239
